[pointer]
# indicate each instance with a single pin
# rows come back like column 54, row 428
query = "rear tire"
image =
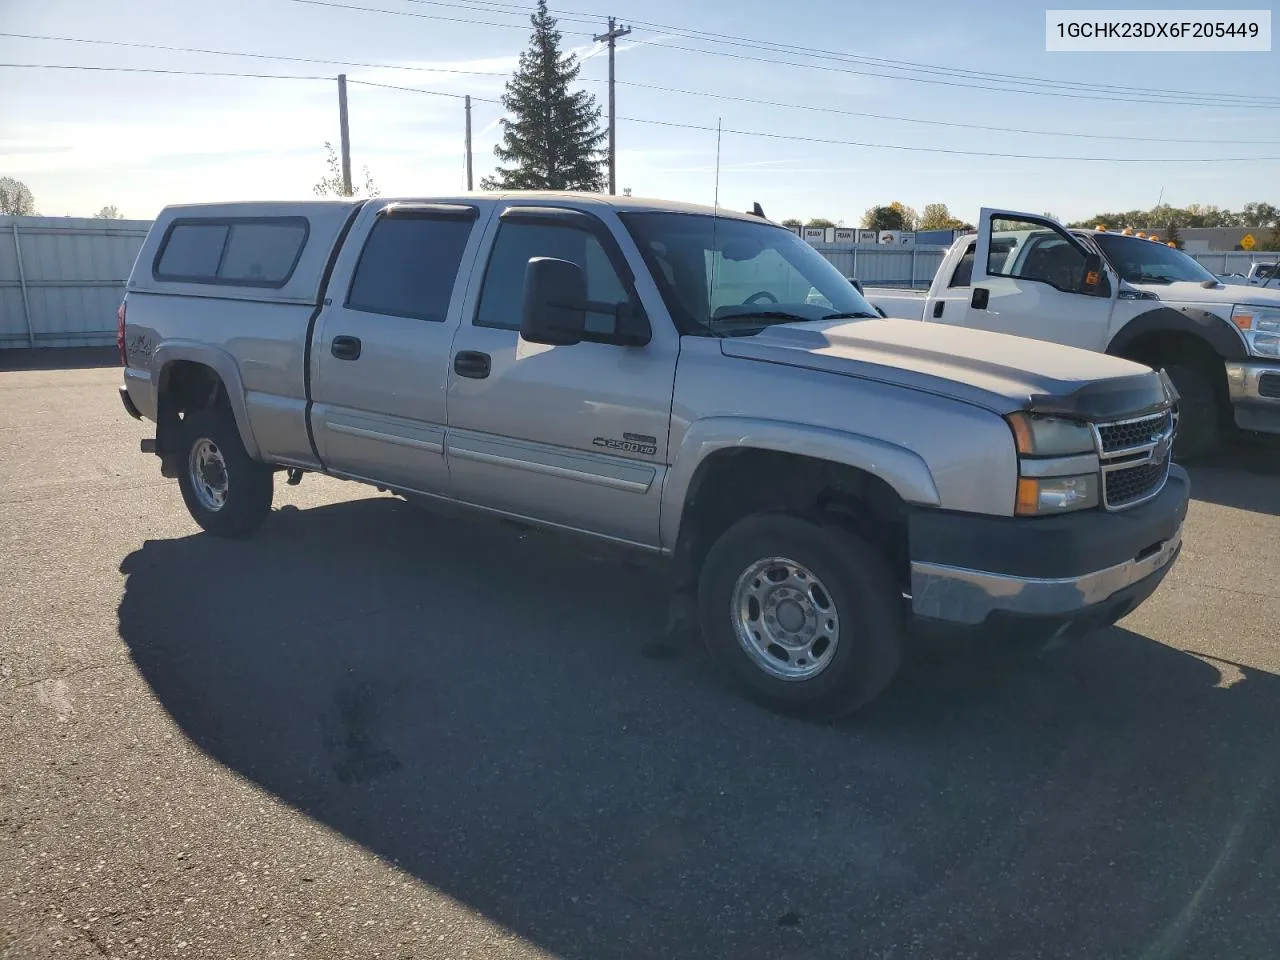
column 802, row 616
column 227, row 492
column 1199, row 415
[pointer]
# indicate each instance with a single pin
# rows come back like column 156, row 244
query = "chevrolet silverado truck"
column 698, row 385
column 1125, row 295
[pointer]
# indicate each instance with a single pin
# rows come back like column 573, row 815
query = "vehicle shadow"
column 1244, row 475
column 490, row 711
column 58, row 358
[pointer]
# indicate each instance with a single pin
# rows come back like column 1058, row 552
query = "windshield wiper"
column 1150, row 278
column 855, row 315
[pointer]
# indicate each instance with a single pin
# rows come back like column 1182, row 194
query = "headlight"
column 1260, row 326
column 1041, row 496
column 1049, row 436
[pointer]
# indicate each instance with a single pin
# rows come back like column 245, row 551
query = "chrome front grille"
column 1135, row 455
column 1133, row 434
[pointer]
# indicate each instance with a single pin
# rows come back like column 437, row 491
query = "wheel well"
column 184, row 386
column 734, row 483
column 1173, row 347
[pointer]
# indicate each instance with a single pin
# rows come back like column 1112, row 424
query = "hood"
column 994, row 370
column 1186, row 291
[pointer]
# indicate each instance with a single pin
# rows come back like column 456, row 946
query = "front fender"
column 223, row 364
column 1205, row 325
column 904, row 470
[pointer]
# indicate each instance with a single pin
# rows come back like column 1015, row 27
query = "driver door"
column 1028, row 279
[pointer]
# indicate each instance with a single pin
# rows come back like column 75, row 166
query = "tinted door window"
column 408, row 267
column 502, row 297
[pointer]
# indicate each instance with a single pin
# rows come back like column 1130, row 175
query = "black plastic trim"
column 1209, row 327
column 325, row 277
column 229, row 223
column 1115, row 399
column 129, row 406
column 1070, row 545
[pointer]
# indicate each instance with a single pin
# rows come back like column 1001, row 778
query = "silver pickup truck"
column 693, row 383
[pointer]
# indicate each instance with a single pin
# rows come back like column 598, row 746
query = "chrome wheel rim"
column 785, row 619
column 208, row 472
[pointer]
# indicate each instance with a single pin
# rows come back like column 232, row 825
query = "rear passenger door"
column 381, row 350
column 571, row 435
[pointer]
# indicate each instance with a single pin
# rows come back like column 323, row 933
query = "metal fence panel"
column 61, row 278
column 885, row 266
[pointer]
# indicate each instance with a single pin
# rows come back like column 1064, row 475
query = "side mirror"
column 554, row 310
column 857, row 284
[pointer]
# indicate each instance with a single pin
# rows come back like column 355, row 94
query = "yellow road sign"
column 1248, row 242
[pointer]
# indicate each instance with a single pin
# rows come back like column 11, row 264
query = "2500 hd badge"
column 630, row 443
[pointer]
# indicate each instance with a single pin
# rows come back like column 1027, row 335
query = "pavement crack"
column 87, row 668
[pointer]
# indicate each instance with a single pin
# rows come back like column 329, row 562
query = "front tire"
column 1199, row 416
column 227, row 492
column 803, row 616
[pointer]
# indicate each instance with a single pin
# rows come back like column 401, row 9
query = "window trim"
column 565, row 218
column 986, row 268
column 446, row 212
column 230, row 223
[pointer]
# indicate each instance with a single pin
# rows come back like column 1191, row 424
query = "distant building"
column 1214, row 239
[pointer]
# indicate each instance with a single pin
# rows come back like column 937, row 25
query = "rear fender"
column 224, row 365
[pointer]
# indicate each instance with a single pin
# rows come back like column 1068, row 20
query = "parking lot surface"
column 375, row 731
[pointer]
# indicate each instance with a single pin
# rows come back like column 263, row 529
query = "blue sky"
column 84, row 139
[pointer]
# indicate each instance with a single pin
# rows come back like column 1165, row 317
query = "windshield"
column 727, row 277
column 1145, row 261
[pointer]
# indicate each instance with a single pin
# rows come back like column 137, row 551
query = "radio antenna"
column 715, row 221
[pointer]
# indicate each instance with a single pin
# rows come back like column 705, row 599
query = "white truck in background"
column 1031, row 276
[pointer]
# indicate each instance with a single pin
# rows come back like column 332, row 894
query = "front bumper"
column 1254, row 389
column 1054, row 575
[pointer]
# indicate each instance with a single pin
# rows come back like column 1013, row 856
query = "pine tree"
column 552, row 139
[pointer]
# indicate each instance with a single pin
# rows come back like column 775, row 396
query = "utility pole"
column 345, row 135
column 468, row 106
column 615, row 33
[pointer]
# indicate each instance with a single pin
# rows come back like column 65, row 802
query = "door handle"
column 981, row 296
column 472, row 363
column 345, row 348
column 937, row 308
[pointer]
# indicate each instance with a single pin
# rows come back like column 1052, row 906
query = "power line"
column 180, row 73
column 1149, row 94
column 914, row 149
column 257, row 56
column 796, row 138
column 939, row 123
column 966, row 153
column 428, row 16
column 948, row 83
column 639, row 85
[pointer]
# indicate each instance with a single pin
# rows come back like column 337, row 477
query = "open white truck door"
column 1031, row 278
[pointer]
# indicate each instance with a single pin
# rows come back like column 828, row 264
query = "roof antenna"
column 758, row 211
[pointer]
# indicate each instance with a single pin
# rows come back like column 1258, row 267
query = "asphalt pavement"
column 376, row 731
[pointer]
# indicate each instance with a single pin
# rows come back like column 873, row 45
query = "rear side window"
column 249, row 253
column 408, row 267
column 963, row 275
